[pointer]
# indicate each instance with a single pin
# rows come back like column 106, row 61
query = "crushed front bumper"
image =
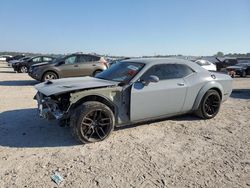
column 47, row 107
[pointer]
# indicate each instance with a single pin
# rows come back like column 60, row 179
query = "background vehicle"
column 23, row 66
column 206, row 64
column 222, row 64
column 16, row 57
column 132, row 91
column 242, row 68
column 74, row 65
column 4, row 57
column 17, row 61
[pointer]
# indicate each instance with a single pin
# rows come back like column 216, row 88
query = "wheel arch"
column 211, row 85
column 97, row 98
column 94, row 72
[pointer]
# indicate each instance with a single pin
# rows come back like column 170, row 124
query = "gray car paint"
column 64, row 85
column 161, row 99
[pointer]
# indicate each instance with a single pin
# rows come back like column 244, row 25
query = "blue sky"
column 125, row 27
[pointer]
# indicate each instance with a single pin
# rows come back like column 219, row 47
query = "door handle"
column 180, row 84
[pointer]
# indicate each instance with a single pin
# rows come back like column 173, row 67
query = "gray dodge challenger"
column 132, row 91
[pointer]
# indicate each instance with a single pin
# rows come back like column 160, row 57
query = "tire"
column 209, row 105
column 49, row 76
column 96, row 72
column 92, row 122
column 23, row 69
column 243, row 74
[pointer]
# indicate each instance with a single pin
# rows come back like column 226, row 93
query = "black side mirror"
column 151, row 78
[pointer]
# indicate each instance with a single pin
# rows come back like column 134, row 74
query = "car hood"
column 64, row 85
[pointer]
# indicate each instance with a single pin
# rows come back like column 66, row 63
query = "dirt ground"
column 179, row 152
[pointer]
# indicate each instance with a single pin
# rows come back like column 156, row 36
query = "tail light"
column 104, row 62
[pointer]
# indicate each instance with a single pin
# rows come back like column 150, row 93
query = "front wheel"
column 24, row 69
column 92, row 122
column 243, row 74
column 210, row 105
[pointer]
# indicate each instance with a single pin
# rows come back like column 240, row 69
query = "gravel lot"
column 179, row 152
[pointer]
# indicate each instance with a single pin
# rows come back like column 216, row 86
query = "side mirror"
column 151, row 78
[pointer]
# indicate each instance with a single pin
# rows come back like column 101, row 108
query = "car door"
column 158, row 99
column 69, row 68
column 86, row 65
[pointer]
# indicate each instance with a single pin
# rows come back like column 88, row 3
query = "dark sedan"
column 16, row 57
column 242, row 69
column 23, row 66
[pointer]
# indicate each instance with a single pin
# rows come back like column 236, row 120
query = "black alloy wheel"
column 209, row 105
column 92, row 122
column 95, row 125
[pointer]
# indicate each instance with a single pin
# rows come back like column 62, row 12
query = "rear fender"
column 211, row 85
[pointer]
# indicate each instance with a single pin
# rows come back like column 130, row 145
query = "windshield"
column 24, row 58
column 57, row 59
column 121, row 71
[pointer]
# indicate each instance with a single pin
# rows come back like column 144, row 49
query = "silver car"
column 132, row 91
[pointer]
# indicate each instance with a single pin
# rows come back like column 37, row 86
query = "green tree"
column 219, row 54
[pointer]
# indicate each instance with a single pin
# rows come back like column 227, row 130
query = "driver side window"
column 70, row 60
column 168, row 71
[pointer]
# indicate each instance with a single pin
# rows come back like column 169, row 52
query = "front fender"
column 204, row 89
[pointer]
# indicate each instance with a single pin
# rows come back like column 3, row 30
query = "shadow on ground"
column 185, row 117
column 5, row 67
column 23, row 128
column 18, row 83
column 7, row 72
column 241, row 93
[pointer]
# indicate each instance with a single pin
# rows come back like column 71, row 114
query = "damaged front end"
column 51, row 107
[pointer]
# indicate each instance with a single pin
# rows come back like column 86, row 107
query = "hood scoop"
column 48, row 82
column 68, row 86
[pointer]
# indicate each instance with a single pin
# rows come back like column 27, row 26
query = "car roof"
column 159, row 60
column 168, row 60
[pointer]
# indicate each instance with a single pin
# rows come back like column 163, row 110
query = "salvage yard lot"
column 177, row 152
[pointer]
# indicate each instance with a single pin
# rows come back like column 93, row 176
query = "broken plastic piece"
column 57, row 178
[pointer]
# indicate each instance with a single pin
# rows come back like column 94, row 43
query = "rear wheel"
column 210, row 105
column 97, row 72
column 92, row 122
column 24, row 69
column 50, row 76
column 243, row 74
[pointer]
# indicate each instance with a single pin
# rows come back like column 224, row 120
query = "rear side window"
column 94, row 58
column 47, row 59
column 184, row 70
column 168, row 71
column 88, row 58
